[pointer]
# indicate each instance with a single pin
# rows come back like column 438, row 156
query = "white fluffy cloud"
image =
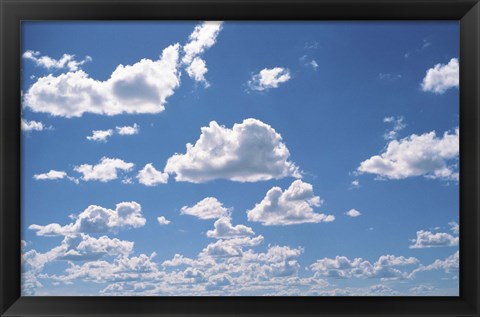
column 203, row 37
column 353, row 213
column 54, row 175
column 67, row 61
column 292, row 206
column 139, row 88
column 450, row 265
column 442, row 77
column 96, row 219
column 416, row 155
column 269, row 78
column 32, row 125
column 149, row 176
column 207, row 208
column 455, row 227
column 230, row 247
column 249, row 152
column 427, row 239
column 163, row 221
column 128, row 130
column 341, row 267
column 104, row 171
column 100, row 135
column 225, row 230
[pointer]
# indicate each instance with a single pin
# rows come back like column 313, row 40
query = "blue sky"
column 240, row 158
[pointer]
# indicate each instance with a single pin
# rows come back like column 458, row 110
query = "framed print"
column 238, row 157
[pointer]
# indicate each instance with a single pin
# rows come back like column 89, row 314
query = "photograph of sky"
column 190, row 158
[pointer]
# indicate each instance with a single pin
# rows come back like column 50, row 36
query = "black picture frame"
column 467, row 12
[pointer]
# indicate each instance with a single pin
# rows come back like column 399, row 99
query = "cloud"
column 292, row 206
column 106, row 170
column 385, row 267
column 355, row 183
column 398, row 125
column 309, row 63
column 103, row 135
column 455, row 227
column 203, row 37
column 100, row 135
column 427, row 239
column 442, row 77
column 353, row 213
column 149, row 176
column 269, row 78
column 450, row 265
column 207, row 208
column 128, row 130
column 417, row 155
column 249, row 152
column 97, row 219
column 163, row 221
column 54, row 175
column 231, row 247
column 139, row 88
column 67, row 61
column 28, row 126
column 225, row 230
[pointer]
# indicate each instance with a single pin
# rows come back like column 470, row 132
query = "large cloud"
column 207, row 208
column 104, row 171
column 249, row 152
column 442, row 77
column 139, row 88
column 292, row 206
column 96, row 219
column 416, row 155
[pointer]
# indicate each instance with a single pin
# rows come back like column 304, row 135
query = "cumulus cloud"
column 442, row 77
column 231, row 247
column 292, row 206
column 139, row 88
column 249, row 152
column 417, row 155
column 269, row 78
column 398, row 125
column 28, row 126
column 100, row 135
column 97, row 219
column 207, row 208
column 353, row 213
column 450, row 265
column 163, row 221
column 149, row 176
column 128, row 130
column 54, row 175
column 225, row 230
column 203, row 37
column 385, row 267
column 104, row 171
column 67, row 61
column 427, row 239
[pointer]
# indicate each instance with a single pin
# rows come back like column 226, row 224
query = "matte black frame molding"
column 12, row 12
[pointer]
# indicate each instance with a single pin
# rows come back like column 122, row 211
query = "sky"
column 240, row 158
